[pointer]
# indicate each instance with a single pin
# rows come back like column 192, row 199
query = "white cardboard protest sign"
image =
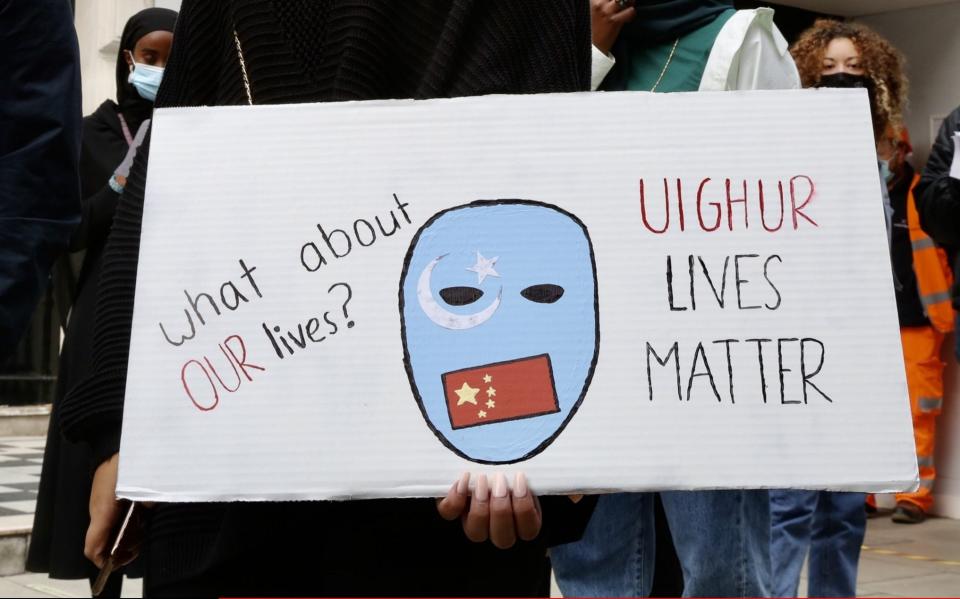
column 607, row 291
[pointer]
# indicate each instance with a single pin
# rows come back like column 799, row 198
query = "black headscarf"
column 662, row 21
column 134, row 108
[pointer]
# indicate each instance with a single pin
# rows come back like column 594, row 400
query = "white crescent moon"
column 439, row 315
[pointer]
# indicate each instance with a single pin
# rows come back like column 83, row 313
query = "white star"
column 484, row 267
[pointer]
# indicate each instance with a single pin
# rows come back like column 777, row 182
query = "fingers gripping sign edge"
column 454, row 504
column 503, row 533
column 526, row 509
column 476, row 523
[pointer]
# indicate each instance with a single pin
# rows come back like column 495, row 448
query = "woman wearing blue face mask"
column 117, row 128
column 146, row 73
column 111, row 136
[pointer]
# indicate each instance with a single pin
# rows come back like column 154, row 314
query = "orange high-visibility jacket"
column 934, row 277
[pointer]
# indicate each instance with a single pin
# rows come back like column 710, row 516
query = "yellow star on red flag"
column 466, row 394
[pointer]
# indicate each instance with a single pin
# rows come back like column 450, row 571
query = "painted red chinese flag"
column 502, row 391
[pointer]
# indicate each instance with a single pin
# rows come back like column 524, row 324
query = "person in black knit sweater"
column 235, row 52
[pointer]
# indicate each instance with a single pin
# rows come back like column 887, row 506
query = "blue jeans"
column 722, row 540
column 831, row 526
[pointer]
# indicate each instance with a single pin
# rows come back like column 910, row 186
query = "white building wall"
column 930, row 39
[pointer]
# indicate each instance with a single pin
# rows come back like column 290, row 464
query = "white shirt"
column 749, row 53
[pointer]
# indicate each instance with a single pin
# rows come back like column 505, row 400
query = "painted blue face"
column 498, row 301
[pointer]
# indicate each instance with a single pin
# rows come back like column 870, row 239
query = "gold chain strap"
column 659, row 79
column 243, row 68
column 246, row 80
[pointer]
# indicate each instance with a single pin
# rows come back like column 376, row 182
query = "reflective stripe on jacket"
column 934, row 278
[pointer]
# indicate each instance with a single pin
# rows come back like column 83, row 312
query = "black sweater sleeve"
column 938, row 194
column 92, row 411
column 97, row 215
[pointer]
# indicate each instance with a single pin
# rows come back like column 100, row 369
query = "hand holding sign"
column 499, row 514
column 607, row 18
column 105, row 511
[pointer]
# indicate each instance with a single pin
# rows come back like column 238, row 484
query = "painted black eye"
column 460, row 296
column 543, row 294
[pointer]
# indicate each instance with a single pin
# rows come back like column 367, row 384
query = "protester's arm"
column 96, row 208
column 600, row 66
column 96, row 217
column 99, row 207
column 40, row 116
column 607, row 18
column 92, row 411
column 764, row 60
column 937, row 193
column 750, row 53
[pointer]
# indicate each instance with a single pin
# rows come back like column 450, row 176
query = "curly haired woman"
column 843, row 54
column 831, row 525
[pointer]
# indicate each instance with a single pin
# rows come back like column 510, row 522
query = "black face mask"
column 853, row 81
column 845, row 80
